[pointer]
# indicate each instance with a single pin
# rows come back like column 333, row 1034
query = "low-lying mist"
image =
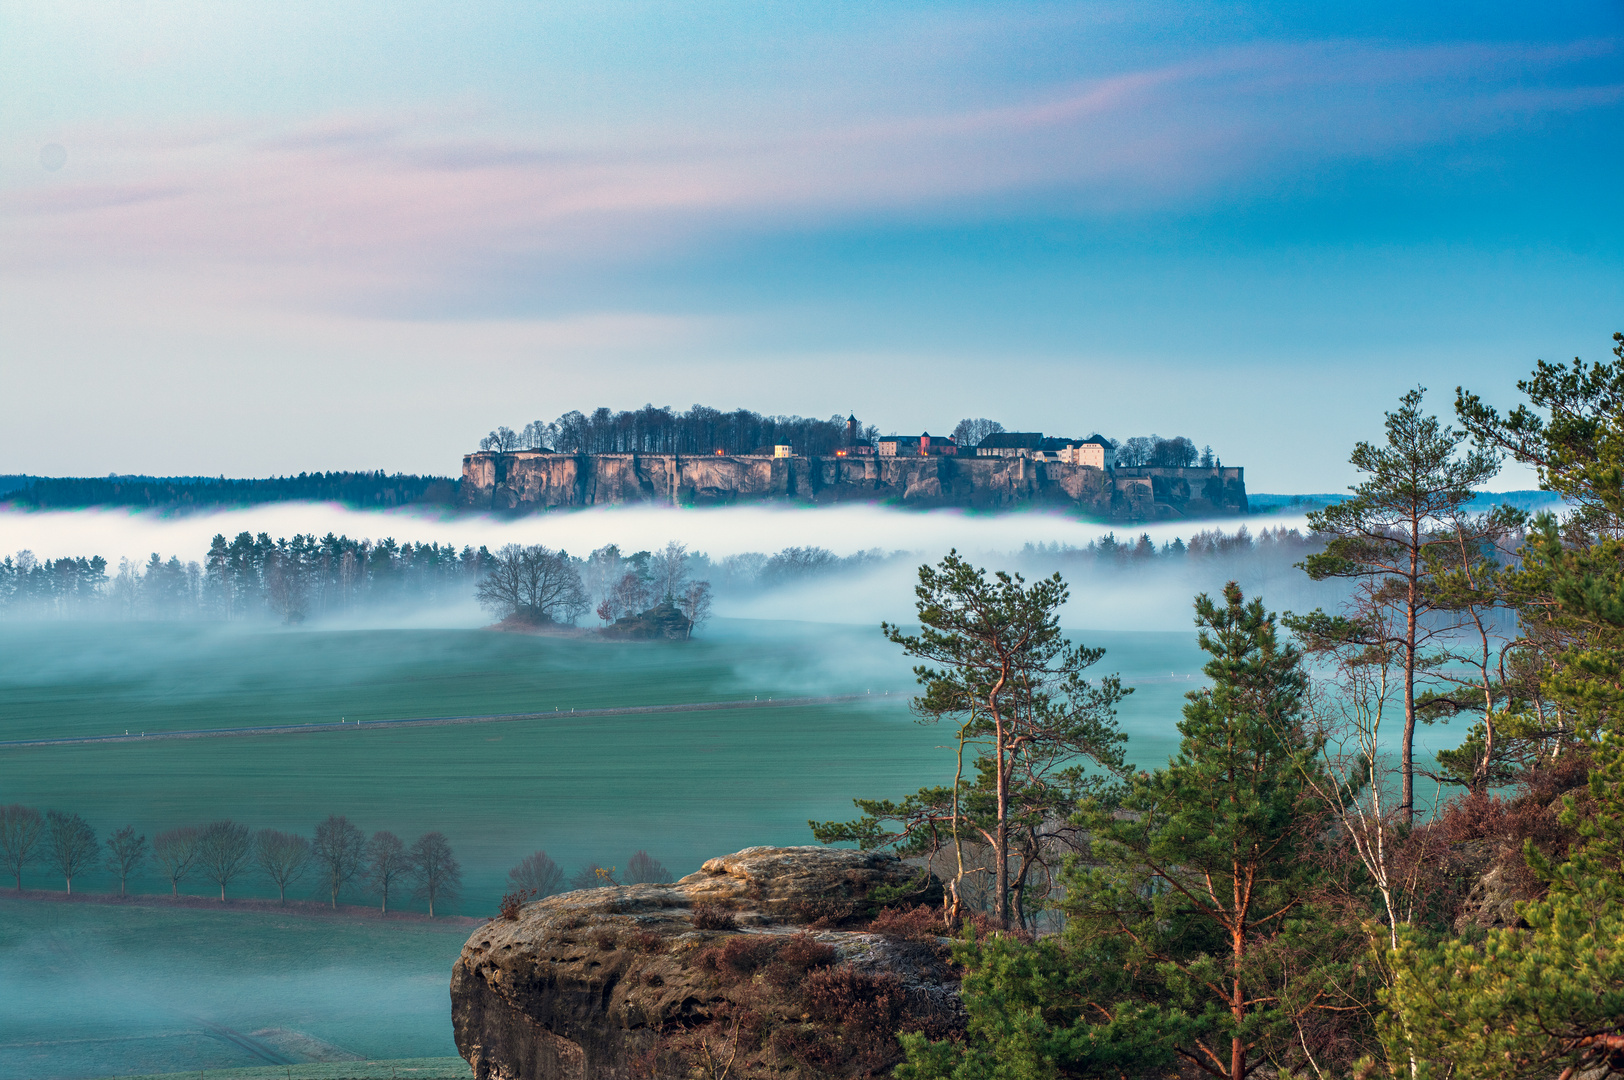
column 846, row 564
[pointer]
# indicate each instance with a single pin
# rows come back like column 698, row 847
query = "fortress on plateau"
column 1002, row 471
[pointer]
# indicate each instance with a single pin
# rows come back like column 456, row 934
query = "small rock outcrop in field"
column 752, row 960
column 660, row 622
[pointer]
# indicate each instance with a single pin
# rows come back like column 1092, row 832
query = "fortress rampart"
column 528, row 480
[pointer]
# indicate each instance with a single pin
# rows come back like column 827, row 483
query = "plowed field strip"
column 438, row 721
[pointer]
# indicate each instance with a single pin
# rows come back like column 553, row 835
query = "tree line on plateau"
column 1279, row 899
column 337, row 860
column 704, row 430
column 338, row 857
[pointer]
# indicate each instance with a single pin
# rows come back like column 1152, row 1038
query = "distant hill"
column 356, row 489
column 10, row 482
column 1531, row 501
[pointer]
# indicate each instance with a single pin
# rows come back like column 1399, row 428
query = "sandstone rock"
column 1492, row 903
column 660, row 622
column 608, row 983
column 527, row 480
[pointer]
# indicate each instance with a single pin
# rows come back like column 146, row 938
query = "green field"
column 683, row 786
column 109, row 989
column 93, row 989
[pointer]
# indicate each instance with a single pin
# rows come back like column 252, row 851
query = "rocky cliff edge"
column 755, row 961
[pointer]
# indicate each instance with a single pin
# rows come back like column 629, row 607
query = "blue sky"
column 265, row 238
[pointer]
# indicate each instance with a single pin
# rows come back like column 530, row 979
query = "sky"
column 255, row 239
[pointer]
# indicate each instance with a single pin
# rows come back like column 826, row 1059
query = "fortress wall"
column 528, row 479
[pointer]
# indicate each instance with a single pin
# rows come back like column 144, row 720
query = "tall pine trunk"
column 1412, row 599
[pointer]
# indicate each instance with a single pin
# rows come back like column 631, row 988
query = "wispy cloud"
column 405, row 200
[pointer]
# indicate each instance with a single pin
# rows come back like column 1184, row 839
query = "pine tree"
column 1381, row 537
column 997, row 665
column 1527, row 1003
column 1192, row 933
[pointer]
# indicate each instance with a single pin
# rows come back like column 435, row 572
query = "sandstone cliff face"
column 628, row 981
column 531, row 480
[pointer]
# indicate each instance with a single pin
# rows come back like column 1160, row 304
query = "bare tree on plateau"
column 20, row 829
column 1410, row 503
column 538, row 873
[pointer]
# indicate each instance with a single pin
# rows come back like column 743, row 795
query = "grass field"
column 683, row 786
column 90, row 990
column 96, row 679
column 109, row 989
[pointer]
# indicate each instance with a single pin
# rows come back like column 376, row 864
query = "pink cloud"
column 383, row 201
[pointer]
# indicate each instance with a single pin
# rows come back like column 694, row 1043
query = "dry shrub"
column 647, row 942
column 868, row 1009
column 710, row 915
column 920, row 923
column 803, row 952
column 738, row 957
column 1479, row 832
column 605, row 940
column 824, row 913
column 514, row 902
column 983, row 924
column 780, row 962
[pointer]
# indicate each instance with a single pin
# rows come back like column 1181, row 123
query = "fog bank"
column 719, row 532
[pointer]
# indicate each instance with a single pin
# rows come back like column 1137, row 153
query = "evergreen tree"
column 1408, row 504
column 1527, row 1003
column 1193, row 933
column 998, row 666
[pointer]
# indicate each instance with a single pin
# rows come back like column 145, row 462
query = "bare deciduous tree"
column 503, row 440
column 176, row 851
column 537, row 435
column 533, row 582
column 20, row 830
column 538, row 873
column 695, row 604
column 642, row 869
column 125, row 852
column 669, row 567
column 339, row 849
column 435, row 869
column 281, row 857
column 387, row 861
column 223, row 851
column 630, row 595
column 70, row 844
column 1136, row 451
column 969, row 433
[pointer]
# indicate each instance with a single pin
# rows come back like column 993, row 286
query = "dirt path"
column 438, row 721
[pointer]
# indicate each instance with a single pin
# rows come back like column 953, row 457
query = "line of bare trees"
column 337, row 858
column 537, row 875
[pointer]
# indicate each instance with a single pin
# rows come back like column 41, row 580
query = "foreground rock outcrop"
column 755, row 959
